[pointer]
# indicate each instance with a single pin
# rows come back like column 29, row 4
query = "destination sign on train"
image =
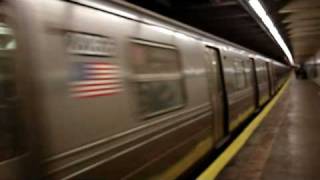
column 89, row 44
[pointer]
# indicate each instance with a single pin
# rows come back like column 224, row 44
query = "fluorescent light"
column 260, row 11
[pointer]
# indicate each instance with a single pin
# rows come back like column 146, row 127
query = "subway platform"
column 286, row 145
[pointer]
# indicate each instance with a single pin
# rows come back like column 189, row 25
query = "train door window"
column 248, row 72
column 239, row 74
column 11, row 138
column 264, row 72
column 214, row 81
column 230, row 77
column 211, row 56
column 157, row 78
column 261, row 71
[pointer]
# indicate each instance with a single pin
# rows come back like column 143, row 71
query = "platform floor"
column 286, row 146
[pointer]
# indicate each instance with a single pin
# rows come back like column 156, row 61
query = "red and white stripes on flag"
column 92, row 79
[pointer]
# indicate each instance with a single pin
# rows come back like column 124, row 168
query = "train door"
column 255, row 83
column 216, row 91
column 13, row 148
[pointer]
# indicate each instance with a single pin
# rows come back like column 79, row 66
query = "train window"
column 11, row 137
column 157, row 78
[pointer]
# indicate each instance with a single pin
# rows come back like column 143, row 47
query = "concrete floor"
column 287, row 143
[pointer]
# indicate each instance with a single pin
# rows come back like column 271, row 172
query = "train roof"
column 133, row 12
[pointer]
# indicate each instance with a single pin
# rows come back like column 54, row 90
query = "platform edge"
column 217, row 166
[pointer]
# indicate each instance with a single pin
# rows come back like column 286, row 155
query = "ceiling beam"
column 303, row 15
column 306, row 47
column 304, row 34
column 307, row 28
column 299, row 43
column 302, row 56
column 300, row 52
column 304, row 30
column 306, row 38
column 300, row 5
column 302, row 24
column 306, row 44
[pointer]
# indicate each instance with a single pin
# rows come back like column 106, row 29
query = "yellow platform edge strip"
column 213, row 170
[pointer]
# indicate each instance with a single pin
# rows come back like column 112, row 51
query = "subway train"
column 310, row 69
column 107, row 90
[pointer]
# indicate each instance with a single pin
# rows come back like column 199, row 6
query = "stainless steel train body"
column 107, row 90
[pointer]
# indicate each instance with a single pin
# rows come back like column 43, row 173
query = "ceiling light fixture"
column 260, row 11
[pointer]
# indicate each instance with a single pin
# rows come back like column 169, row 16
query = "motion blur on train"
column 107, row 90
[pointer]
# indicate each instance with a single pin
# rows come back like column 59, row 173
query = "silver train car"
column 310, row 69
column 106, row 90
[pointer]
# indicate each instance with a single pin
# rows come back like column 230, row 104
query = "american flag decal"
column 92, row 79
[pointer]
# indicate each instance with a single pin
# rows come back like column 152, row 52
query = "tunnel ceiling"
column 226, row 18
column 302, row 24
